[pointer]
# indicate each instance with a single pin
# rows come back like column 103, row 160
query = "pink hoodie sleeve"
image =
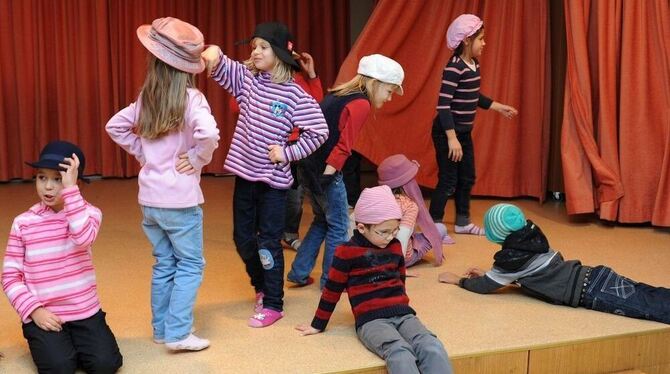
column 205, row 132
column 13, row 279
column 120, row 128
column 83, row 218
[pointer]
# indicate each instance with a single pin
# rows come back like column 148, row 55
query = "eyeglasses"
column 386, row 234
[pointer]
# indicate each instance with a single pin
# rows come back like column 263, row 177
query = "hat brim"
column 162, row 53
column 53, row 165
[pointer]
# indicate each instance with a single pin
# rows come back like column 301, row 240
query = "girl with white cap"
column 456, row 107
column 171, row 132
column 346, row 109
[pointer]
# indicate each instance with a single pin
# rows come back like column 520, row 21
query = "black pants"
column 258, row 220
column 351, row 174
column 88, row 344
column 453, row 178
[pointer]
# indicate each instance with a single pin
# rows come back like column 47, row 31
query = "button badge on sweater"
column 278, row 109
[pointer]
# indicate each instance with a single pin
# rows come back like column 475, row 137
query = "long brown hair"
column 163, row 99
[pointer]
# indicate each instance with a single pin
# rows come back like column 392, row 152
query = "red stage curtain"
column 67, row 66
column 511, row 156
column 616, row 125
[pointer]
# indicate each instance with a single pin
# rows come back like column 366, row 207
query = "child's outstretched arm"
column 227, row 73
column 505, row 110
column 307, row 330
column 474, row 280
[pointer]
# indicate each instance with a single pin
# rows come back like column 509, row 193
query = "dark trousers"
column 453, row 178
column 351, row 175
column 610, row 292
column 88, row 344
column 258, row 219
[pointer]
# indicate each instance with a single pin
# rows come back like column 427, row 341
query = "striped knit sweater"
column 48, row 259
column 373, row 277
column 460, row 96
column 268, row 113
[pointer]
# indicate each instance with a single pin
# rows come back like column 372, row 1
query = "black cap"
column 55, row 153
column 280, row 40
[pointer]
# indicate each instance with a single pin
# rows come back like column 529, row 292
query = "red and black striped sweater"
column 373, row 277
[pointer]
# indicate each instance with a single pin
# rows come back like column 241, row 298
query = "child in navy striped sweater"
column 371, row 268
column 456, row 107
column 271, row 106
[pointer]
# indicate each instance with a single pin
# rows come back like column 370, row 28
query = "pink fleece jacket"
column 161, row 186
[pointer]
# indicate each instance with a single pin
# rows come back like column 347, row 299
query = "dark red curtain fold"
column 511, row 156
column 68, row 66
column 616, row 127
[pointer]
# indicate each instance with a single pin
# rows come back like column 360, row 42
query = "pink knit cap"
column 462, row 27
column 376, row 205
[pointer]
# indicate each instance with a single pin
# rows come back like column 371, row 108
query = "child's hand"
column 71, row 166
column 448, row 277
column 307, row 330
column 46, row 320
column 307, row 64
column 184, row 165
column 474, row 272
column 455, row 150
column 211, row 57
column 505, row 110
column 276, row 153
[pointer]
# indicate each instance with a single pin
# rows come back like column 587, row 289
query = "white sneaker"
column 191, row 343
column 162, row 341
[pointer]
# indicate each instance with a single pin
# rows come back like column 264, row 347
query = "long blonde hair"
column 163, row 99
column 281, row 72
column 359, row 84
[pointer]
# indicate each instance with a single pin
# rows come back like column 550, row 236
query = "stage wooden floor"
column 502, row 333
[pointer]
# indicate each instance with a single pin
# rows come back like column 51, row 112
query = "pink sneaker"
column 258, row 306
column 264, row 318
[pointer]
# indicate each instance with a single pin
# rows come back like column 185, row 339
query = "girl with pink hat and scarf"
column 398, row 172
column 456, row 107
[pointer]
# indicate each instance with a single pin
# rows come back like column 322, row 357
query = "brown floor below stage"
column 467, row 323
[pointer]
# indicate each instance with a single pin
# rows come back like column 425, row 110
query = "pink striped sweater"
column 48, row 259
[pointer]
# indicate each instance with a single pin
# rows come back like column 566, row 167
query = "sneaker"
column 264, row 318
column 191, row 343
column 162, row 340
column 295, row 243
column 307, row 282
column 258, row 305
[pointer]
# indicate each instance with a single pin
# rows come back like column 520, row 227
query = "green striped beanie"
column 501, row 220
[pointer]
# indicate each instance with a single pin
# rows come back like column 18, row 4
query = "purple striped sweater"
column 268, row 113
column 48, row 259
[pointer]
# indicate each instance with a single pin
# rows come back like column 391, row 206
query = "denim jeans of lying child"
column 176, row 237
column 610, row 292
column 331, row 221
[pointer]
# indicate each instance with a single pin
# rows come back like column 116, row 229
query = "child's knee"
column 104, row 363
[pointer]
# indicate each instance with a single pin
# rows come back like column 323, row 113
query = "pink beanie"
column 462, row 27
column 376, row 205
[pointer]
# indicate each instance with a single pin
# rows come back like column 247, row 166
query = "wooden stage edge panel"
column 647, row 352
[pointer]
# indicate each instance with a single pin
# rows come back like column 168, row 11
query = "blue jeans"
column 176, row 237
column 331, row 221
column 610, row 292
column 258, row 226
